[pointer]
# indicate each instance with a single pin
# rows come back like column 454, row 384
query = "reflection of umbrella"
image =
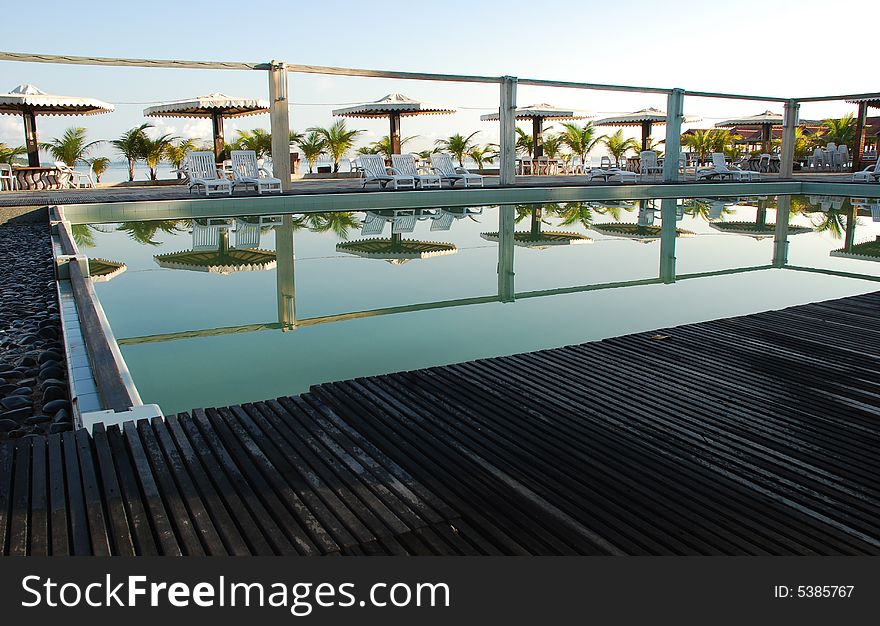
column 539, row 239
column 223, row 260
column 102, row 270
column 393, row 106
column 538, row 113
column 645, row 118
column 28, row 101
column 759, row 229
column 643, row 231
column 865, row 251
column 214, row 105
column 396, row 250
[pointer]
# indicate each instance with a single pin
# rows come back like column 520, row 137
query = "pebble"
column 53, row 406
column 61, row 416
column 58, row 428
column 32, row 371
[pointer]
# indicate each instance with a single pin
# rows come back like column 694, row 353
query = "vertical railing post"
column 780, row 237
column 789, row 124
column 280, row 123
column 506, row 235
column 507, row 121
column 674, row 118
column 668, row 233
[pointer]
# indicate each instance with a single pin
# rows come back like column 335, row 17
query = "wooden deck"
column 750, row 435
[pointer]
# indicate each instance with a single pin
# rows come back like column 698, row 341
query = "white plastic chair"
column 648, row 165
column 406, row 165
column 447, row 170
column 247, row 173
column 7, row 178
column 375, row 171
column 869, row 174
column 721, row 168
column 202, row 171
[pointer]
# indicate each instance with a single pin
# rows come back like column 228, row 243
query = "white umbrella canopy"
column 213, row 105
column 645, row 118
column 29, row 101
column 538, row 113
column 393, row 106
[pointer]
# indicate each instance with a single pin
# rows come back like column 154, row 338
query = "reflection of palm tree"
column 337, row 222
column 83, row 235
column 698, row 207
column 575, row 213
column 143, row 232
column 832, row 222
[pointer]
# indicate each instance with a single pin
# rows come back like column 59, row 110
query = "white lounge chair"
column 869, row 174
column 406, row 165
column 375, row 171
column 447, row 170
column 247, row 173
column 721, row 168
column 612, row 174
column 7, row 178
column 648, row 165
column 202, row 171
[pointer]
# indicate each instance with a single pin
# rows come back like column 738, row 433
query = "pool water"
column 222, row 311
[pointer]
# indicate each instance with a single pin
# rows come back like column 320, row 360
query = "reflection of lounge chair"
column 373, row 225
column 205, row 237
column 406, row 165
column 375, row 171
column 247, row 234
column 721, row 168
column 444, row 167
column 405, row 223
column 247, row 173
column 202, row 171
column 443, row 222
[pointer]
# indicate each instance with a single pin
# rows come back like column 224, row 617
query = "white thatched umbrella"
column 28, row 101
column 214, row 105
column 645, row 118
column 393, row 106
column 538, row 113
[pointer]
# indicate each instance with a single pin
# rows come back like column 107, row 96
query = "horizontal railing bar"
column 537, row 82
column 350, row 71
column 733, row 96
column 122, row 62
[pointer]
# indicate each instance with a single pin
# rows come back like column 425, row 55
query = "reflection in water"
column 759, row 228
column 644, row 229
column 212, row 253
column 536, row 237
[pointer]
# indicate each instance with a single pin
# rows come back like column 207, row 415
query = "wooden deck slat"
column 6, row 464
column 92, row 495
column 143, row 538
column 58, row 518
column 117, row 518
column 40, row 532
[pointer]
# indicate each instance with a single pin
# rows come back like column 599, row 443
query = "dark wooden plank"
column 40, row 543
column 6, row 463
column 119, row 532
column 142, row 536
column 92, row 495
column 80, row 541
column 163, row 530
column 19, row 521
column 188, row 536
column 58, row 519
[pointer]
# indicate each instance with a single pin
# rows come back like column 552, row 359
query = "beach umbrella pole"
column 646, row 134
column 394, row 133
column 30, row 137
column 538, row 136
column 217, row 124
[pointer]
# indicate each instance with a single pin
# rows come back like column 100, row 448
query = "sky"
column 763, row 47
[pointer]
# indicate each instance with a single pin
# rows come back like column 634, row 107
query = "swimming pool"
column 218, row 311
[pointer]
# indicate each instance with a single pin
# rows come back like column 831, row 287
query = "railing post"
column 507, row 121
column 789, row 124
column 674, row 118
column 280, row 123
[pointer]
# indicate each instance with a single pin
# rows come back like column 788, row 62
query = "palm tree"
column 552, row 146
column 312, row 146
column 525, row 143
column 296, row 137
column 457, row 145
column 426, row 154
column 481, row 154
column 338, row 140
column 154, row 150
column 580, row 139
column 71, row 148
column 8, row 155
column 99, row 165
column 841, row 131
column 383, row 146
column 701, row 142
column 131, row 145
column 259, row 140
column 618, row 146
column 176, row 154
